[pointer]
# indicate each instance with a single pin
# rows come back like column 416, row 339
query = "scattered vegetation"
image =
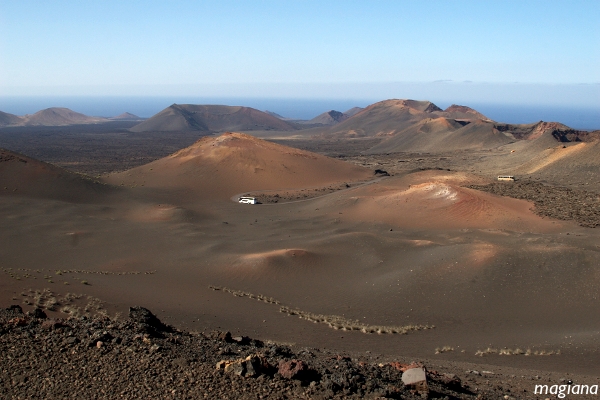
column 333, row 321
column 27, row 273
column 516, row 352
column 75, row 305
column 338, row 322
column 239, row 293
column 445, row 349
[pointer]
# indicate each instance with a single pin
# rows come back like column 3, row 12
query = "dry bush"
column 445, row 349
column 517, row 352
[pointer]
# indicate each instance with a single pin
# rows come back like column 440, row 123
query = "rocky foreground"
column 140, row 357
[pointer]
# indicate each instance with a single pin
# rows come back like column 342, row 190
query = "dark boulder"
column 297, row 369
column 52, row 324
column 146, row 322
column 37, row 313
column 14, row 311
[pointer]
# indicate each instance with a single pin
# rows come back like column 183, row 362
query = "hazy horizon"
column 573, row 115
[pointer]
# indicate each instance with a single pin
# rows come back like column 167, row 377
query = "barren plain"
column 429, row 263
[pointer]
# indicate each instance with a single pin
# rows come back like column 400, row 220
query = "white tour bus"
column 506, row 177
column 247, row 200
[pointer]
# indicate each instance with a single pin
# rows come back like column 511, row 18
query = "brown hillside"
column 443, row 134
column 220, row 167
column 390, row 117
column 210, row 118
column 24, row 176
column 543, row 127
column 437, row 200
column 552, row 157
column 353, row 111
column 463, row 112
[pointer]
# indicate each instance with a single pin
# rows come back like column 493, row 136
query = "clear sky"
column 302, row 48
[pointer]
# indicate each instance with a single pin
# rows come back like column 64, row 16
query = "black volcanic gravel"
column 580, row 206
column 141, row 357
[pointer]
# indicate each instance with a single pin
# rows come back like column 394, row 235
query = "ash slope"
column 235, row 162
column 443, row 134
column 24, row 176
column 549, row 151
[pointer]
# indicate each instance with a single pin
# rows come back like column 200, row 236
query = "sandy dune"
column 436, row 200
column 278, row 262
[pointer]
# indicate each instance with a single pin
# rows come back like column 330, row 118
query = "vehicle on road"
column 506, row 178
column 247, row 200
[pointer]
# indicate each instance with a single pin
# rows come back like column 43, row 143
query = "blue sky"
column 304, row 48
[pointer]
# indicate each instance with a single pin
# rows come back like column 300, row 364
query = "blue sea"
column 302, row 108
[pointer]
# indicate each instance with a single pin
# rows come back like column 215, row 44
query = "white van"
column 247, row 200
column 506, row 178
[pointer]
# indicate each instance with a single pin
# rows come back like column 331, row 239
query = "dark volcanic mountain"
column 54, row 116
column 211, row 118
column 7, row 119
column 57, row 116
column 329, row 118
column 126, row 117
column 274, row 114
column 558, row 131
